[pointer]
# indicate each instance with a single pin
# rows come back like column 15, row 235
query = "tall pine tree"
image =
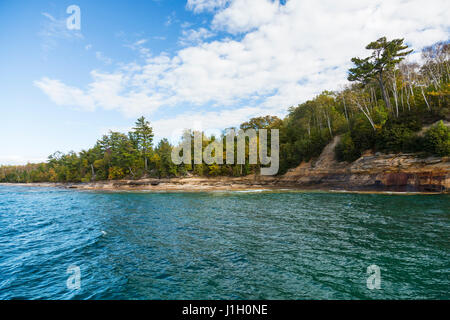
column 385, row 56
column 142, row 135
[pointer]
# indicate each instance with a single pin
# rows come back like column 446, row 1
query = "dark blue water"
column 222, row 245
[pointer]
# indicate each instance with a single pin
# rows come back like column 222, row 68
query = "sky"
column 199, row 64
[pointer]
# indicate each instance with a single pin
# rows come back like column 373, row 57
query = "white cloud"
column 105, row 91
column 194, row 37
column 140, row 42
column 100, row 56
column 206, row 5
column 286, row 55
column 139, row 47
column 210, row 122
column 236, row 17
column 62, row 94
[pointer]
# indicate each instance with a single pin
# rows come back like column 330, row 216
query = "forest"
column 385, row 106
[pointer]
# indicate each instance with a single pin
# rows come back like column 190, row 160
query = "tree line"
column 383, row 108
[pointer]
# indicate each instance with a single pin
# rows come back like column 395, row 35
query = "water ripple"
column 222, row 245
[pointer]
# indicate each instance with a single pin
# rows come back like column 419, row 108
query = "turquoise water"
column 222, row 245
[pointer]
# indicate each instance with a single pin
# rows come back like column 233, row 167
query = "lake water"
column 222, row 245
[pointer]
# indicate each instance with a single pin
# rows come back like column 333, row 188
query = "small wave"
column 252, row 190
column 412, row 193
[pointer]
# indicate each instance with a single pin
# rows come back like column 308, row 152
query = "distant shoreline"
column 190, row 185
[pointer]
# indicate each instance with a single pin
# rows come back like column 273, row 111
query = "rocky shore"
column 374, row 172
column 370, row 173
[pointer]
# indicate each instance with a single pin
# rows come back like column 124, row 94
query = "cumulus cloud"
column 105, row 91
column 236, row 17
column 211, row 122
column 283, row 55
column 62, row 94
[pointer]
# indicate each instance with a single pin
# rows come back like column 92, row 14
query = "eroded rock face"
column 396, row 172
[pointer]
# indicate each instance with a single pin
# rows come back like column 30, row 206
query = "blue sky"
column 203, row 64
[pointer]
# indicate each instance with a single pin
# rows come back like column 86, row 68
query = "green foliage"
column 437, row 140
column 142, row 138
column 346, row 149
column 380, row 115
column 214, row 170
column 385, row 56
column 362, row 133
column 400, row 134
column 396, row 139
column 261, row 123
column 165, row 167
column 115, row 173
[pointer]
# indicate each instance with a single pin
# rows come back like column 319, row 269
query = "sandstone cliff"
column 390, row 172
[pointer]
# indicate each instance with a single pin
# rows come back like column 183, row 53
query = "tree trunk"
column 394, row 92
column 383, row 91
column 401, row 99
column 375, row 96
column 329, row 125
column 345, row 109
column 425, row 98
column 367, row 116
column 93, row 172
column 407, row 99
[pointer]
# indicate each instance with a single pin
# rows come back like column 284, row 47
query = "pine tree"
column 143, row 136
column 385, row 56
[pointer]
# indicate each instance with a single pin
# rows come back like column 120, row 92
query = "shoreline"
column 143, row 186
column 374, row 173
